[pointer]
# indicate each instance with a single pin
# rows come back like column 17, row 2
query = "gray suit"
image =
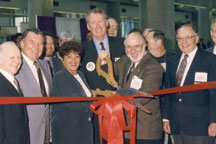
column 38, row 114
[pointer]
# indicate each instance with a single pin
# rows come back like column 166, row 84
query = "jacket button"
column 180, row 100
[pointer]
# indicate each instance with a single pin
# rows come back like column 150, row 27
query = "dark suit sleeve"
column 165, row 102
column 1, row 124
column 212, row 92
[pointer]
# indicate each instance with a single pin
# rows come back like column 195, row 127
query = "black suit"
column 116, row 47
column 211, row 49
column 197, row 109
column 13, row 118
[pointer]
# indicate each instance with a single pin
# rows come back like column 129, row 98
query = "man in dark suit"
column 13, row 118
column 138, row 70
column 97, row 24
column 213, row 36
column 35, row 80
column 190, row 116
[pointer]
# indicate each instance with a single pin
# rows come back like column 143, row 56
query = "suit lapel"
column 93, row 49
column 10, row 88
column 46, row 73
column 137, row 69
column 126, row 67
column 28, row 73
column 174, row 66
column 111, row 46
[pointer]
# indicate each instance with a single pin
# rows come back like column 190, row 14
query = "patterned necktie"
column 131, row 70
column 17, row 85
column 180, row 72
column 102, row 46
column 41, row 82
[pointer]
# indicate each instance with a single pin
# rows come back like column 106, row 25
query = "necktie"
column 180, row 72
column 51, row 69
column 17, row 85
column 41, row 82
column 102, row 46
column 130, row 70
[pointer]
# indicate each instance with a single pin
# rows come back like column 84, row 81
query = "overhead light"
column 63, row 12
column 12, row 8
column 188, row 5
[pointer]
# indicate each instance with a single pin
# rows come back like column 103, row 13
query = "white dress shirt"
column 214, row 50
column 85, row 88
column 105, row 43
column 189, row 61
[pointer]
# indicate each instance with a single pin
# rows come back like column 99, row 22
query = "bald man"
column 13, row 118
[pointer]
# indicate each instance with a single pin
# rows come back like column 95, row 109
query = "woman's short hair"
column 70, row 46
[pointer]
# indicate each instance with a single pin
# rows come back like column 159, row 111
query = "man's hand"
column 102, row 54
column 212, row 129
column 166, row 127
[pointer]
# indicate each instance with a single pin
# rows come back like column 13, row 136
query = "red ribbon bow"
column 111, row 117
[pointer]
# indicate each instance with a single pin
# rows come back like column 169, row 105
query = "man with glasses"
column 138, row 70
column 112, row 27
column 190, row 116
column 97, row 24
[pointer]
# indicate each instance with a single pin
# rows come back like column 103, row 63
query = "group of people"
column 140, row 62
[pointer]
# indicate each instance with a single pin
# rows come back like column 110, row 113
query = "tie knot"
column 102, row 46
column 186, row 56
column 36, row 64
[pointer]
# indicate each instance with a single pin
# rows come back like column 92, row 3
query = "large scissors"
column 108, row 76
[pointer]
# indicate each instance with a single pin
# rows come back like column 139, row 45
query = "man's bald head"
column 10, row 57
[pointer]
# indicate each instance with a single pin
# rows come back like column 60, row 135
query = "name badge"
column 136, row 82
column 200, row 77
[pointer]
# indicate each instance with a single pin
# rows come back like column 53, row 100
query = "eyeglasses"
column 187, row 38
column 135, row 47
column 113, row 27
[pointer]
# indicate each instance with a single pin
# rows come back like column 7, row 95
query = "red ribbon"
column 110, row 110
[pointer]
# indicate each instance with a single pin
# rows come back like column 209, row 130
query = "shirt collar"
column 191, row 54
column 9, row 76
column 28, row 60
column 105, row 42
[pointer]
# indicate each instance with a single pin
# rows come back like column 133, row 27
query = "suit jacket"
column 211, row 49
column 38, row 114
column 116, row 47
column 197, row 109
column 71, row 122
column 13, row 118
column 150, row 72
column 57, row 65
